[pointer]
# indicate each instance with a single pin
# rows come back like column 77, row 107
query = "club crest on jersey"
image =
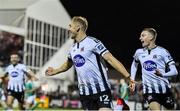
column 14, row 74
column 154, row 56
column 149, row 65
column 78, row 60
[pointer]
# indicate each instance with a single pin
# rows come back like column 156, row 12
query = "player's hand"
column 35, row 78
column 158, row 73
column 132, row 85
column 49, row 71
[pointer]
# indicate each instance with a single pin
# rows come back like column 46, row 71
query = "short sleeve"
column 6, row 69
column 100, row 48
column 25, row 68
column 69, row 55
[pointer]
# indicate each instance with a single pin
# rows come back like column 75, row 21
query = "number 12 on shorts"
column 104, row 98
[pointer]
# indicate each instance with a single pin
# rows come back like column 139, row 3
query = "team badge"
column 154, row 56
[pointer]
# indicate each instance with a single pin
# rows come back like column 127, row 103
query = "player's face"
column 14, row 58
column 145, row 38
column 73, row 29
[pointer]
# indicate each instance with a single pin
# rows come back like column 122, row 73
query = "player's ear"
column 152, row 38
column 78, row 29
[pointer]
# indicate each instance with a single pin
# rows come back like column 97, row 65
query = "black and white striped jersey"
column 86, row 56
column 150, row 60
column 16, row 76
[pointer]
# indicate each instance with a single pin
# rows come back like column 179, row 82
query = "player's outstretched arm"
column 116, row 64
column 52, row 71
column 119, row 67
column 32, row 75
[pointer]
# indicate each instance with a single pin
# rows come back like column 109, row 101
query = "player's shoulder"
column 93, row 39
column 9, row 66
column 140, row 50
column 21, row 65
column 162, row 49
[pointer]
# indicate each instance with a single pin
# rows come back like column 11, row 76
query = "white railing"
column 41, row 42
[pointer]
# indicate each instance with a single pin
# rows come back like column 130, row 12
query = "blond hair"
column 152, row 31
column 82, row 21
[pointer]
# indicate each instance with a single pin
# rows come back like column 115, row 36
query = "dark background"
column 118, row 23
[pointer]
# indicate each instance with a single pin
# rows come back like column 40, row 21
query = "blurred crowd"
column 9, row 43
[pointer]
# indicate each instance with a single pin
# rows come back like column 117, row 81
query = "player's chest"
column 154, row 56
column 15, row 71
column 12, row 69
column 83, row 51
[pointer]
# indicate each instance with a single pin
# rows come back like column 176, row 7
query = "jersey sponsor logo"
column 78, row 60
column 14, row 74
column 154, row 56
column 149, row 65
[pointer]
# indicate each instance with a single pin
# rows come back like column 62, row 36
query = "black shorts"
column 18, row 95
column 96, row 101
column 166, row 99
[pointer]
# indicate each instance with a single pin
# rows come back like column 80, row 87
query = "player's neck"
column 14, row 64
column 151, row 46
column 81, row 37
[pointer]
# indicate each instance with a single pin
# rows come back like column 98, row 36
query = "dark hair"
column 18, row 54
column 15, row 53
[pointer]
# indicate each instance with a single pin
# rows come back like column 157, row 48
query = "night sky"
column 118, row 23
